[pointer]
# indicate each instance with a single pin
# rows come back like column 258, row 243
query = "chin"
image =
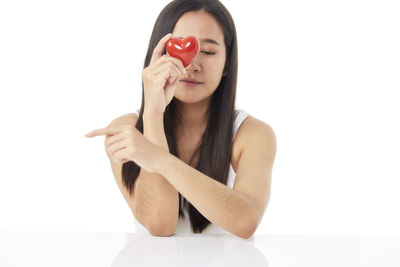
column 190, row 98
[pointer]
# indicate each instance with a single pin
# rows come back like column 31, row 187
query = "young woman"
column 187, row 161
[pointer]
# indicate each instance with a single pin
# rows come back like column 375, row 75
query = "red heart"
column 185, row 50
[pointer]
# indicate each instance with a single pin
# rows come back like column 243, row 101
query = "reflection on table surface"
column 19, row 248
column 190, row 250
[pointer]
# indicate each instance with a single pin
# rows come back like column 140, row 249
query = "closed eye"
column 208, row 53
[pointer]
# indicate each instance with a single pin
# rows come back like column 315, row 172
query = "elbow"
column 160, row 230
column 248, row 227
column 247, row 232
column 161, row 226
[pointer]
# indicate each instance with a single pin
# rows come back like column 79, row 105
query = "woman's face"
column 207, row 67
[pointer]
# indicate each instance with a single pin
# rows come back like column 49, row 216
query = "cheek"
column 214, row 74
column 215, row 66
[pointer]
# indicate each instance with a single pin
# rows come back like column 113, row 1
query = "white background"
column 323, row 74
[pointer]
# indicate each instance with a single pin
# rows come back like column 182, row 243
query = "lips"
column 190, row 80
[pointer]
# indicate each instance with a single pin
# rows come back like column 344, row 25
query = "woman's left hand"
column 125, row 143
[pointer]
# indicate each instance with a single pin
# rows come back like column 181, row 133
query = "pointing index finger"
column 103, row 131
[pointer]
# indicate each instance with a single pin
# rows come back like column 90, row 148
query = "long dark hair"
column 216, row 144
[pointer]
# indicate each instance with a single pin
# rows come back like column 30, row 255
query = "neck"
column 194, row 119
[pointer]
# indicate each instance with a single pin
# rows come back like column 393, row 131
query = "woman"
column 182, row 162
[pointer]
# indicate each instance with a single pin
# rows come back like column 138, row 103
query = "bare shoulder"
column 130, row 118
column 253, row 131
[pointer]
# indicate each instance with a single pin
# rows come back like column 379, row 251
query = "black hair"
column 214, row 151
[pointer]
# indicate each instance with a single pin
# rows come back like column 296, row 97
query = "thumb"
column 172, row 80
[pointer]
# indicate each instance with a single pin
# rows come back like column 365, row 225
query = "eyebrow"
column 206, row 40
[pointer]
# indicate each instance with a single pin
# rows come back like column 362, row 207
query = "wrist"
column 165, row 161
column 153, row 130
column 152, row 115
column 153, row 121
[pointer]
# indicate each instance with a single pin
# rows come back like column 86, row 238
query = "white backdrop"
column 323, row 74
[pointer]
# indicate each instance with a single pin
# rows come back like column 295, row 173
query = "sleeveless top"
column 184, row 226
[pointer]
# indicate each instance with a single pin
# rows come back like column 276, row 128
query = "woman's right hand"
column 160, row 78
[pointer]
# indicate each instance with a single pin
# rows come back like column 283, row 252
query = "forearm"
column 153, row 129
column 156, row 199
column 223, row 206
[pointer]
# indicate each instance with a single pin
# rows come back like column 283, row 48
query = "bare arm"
column 238, row 210
column 155, row 202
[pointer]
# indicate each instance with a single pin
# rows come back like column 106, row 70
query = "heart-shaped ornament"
column 185, row 50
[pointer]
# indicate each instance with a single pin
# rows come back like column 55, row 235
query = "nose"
column 194, row 66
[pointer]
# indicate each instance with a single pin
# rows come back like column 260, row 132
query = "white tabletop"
column 131, row 249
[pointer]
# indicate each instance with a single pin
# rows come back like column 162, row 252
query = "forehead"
column 199, row 24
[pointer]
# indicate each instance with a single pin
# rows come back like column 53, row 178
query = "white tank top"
column 184, row 226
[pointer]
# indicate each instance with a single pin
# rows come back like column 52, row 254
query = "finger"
column 178, row 63
column 109, row 140
column 112, row 149
column 102, row 131
column 120, row 155
column 167, row 58
column 157, row 51
column 173, row 70
column 165, row 75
